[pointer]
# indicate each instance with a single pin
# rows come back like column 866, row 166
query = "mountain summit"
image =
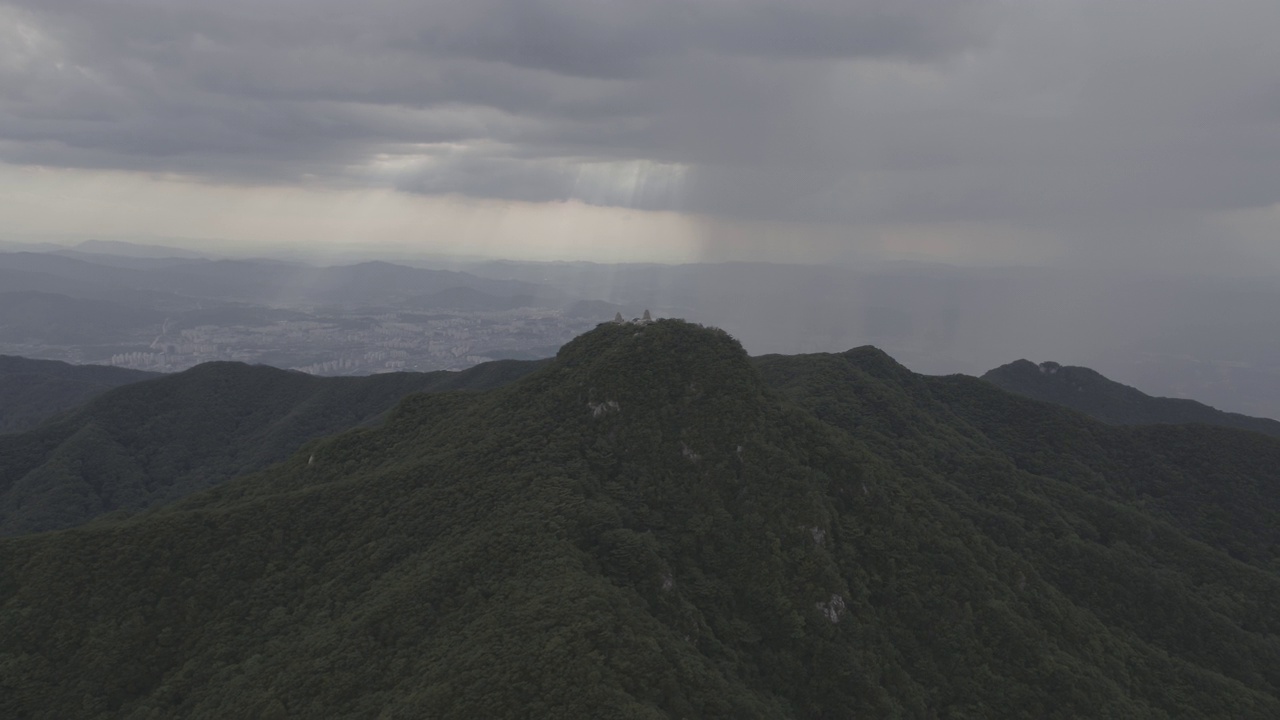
column 655, row 525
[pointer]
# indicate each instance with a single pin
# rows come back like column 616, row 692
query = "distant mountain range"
column 1087, row 391
column 270, row 282
column 150, row 312
column 656, row 525
column 1215, row 339
column 120, row 248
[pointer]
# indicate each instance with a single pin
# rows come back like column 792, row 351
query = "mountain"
column 655, row 525
column 156, row 441
column 37, row 316
column 138, row 289
column 1087, row 391
column 32, row 390
column 1213, row 483
column 270, row 282
column 139, row 262
column 134, row 250
column 62, row 274
column 469, row 300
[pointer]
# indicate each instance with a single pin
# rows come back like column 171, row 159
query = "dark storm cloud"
column 863, row 111
column 172, row 85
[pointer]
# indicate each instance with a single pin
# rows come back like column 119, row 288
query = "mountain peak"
column 668, row 365
column 1090, row 392
column 1063, row 373
column 876, row 362
column 654, row 346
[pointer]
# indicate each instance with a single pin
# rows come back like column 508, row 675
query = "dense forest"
column 654, row 525
column 34, row 390
column 1088, row 391
column 156, row 441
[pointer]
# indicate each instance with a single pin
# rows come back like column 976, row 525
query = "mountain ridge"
column 656, row 525
column 33, row 390
column 1090, row 392
column 163, row 438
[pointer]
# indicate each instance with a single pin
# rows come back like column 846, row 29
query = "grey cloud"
column 489, row 172
column 1061, row 114
column 434, row 53
column 619, row 39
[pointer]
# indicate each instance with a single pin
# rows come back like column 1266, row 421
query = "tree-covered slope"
column 156, row 441
column 655, row 526
column 33, row 390
column 1087, row 391
column 1162, row 533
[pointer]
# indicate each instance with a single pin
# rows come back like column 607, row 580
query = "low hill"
column 156, row 441
column 654, row 525
column 33, row 390
column 1089, row 392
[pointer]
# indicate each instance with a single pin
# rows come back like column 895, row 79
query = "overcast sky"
column 1130, row 133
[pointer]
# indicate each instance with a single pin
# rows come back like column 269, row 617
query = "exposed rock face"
column 832, row 609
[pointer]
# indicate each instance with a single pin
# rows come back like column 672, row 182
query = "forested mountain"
column 653, row 525
column 32, row 390
column 1080, row 388
column 156, row 441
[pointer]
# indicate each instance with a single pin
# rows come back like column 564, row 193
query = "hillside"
column 156, row 441
column 1087, row 391
column 655, row 525
column 33, row 390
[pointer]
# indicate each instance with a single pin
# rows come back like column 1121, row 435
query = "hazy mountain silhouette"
column 1082, row 389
